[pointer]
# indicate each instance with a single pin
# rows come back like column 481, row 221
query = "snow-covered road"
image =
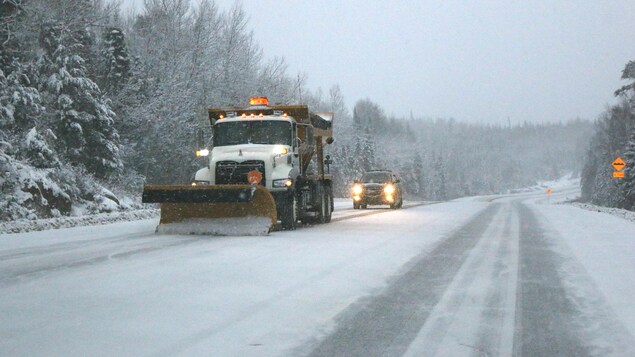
column 491, row 276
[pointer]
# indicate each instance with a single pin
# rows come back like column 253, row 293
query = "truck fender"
column 203, row 174
column 294, row 173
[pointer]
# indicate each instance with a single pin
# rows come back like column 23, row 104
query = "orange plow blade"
column 214, row 209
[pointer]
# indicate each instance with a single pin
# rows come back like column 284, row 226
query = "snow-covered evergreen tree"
column 438, row 182
column 37, row 149
column 80, row 115
column 629, row 89
column 115, row 70
column 19, row 100
column 418, row 176
column 628, row 182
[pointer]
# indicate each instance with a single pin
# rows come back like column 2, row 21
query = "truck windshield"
column 252, row 132
column 376, row 177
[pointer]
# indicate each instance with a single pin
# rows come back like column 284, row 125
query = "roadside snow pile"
column 567, row 180
column 626, row 214
column 25, row 225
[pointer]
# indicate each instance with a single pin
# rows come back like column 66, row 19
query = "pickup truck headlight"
column 389, row 189
column 282, row 183
column 357, row 189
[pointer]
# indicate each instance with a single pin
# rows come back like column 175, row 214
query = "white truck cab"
column 240, row 145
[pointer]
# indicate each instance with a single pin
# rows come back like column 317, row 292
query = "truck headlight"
column 203, row 152
column 282, row 183
column 389, row 189
column 357, row 189
column 280, row 150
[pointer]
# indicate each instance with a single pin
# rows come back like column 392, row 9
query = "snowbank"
column 25, row 225
column 622, row 213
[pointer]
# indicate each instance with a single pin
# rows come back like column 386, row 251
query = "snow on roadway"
column 229, row 296
column 599, row 267
column 121, row 290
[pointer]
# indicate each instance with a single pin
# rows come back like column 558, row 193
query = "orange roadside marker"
column 618, row 164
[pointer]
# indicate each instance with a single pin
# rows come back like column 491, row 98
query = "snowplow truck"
column 264, row 164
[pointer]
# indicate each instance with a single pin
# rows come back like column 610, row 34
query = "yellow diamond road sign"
column 618, row 164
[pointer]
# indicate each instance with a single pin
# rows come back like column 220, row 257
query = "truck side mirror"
column 296, row 148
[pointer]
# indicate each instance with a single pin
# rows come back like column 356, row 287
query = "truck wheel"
column 355, row 205
column 327, row 206
column 332, row 200
column 324, row 215
column 364, row 206
column 289, row 213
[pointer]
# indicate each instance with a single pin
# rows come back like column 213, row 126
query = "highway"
column 508, row 275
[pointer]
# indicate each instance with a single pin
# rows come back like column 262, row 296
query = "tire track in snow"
column 368, row 328
column 37, row 267
column 545, row 315
column 67, row 246
column 472, row 316
column 597, row 324
column 499, row 334
column 17, row 273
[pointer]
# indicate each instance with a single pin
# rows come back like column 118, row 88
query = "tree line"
column 614, row 137
column 440, row 159
column 94, row 103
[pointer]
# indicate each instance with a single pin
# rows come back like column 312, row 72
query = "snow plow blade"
column 214, row 209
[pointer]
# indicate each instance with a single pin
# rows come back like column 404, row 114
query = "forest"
column 614, row 136
column 95, row 103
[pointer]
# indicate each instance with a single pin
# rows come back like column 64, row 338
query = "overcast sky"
column 471, row 60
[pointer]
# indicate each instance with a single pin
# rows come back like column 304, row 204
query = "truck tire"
column 326, row 202
column 332, row 200
column 289, row 213
column 355, row 205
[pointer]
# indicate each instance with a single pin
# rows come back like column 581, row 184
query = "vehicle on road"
column 377, row 187
column 257, row 166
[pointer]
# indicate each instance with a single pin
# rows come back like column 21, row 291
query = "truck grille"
column 232, row 172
